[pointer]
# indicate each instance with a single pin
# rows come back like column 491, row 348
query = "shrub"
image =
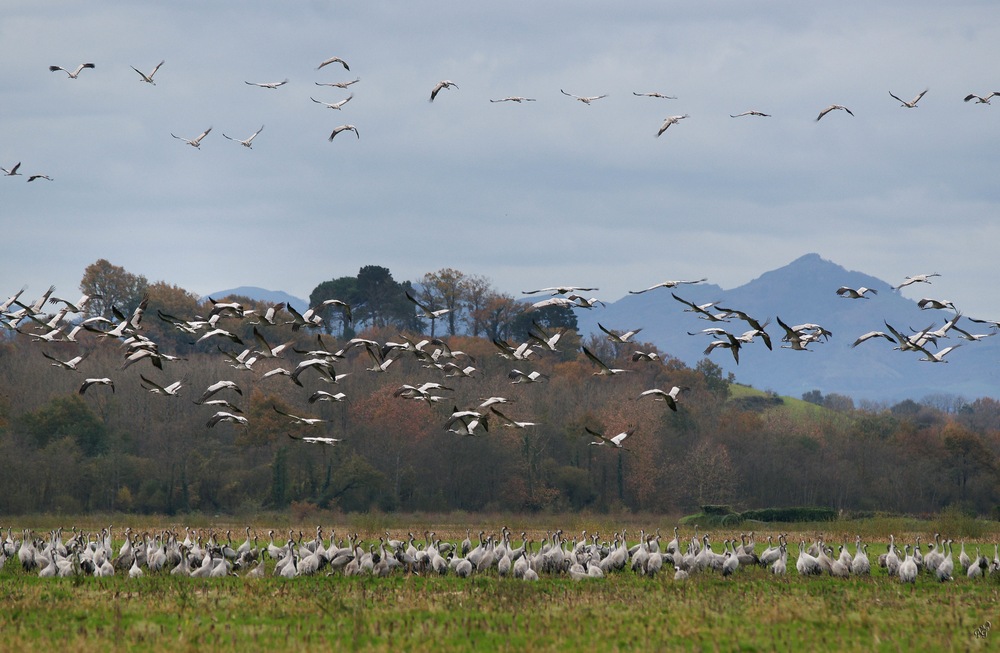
column 796, row 514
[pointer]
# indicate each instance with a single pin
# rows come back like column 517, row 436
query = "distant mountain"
column 261, row 295
column 805, row 291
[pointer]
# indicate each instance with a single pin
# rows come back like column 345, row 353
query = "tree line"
column 131, row 450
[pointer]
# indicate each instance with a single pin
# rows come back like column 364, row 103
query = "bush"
column 717, row 510
column 957, row 523
column 797, row 514
column 713, row 517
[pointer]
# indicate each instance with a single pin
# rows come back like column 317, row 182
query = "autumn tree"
column 110, row 285
column 708, row 474
column 497, row 315
column 981, row 415
column 173, row 301
column 478, row 292
column 944, row 402
column 717, row 383
column 838, row 402
column 967, row 457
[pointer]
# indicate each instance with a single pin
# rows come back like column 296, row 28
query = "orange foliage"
column 394, row 416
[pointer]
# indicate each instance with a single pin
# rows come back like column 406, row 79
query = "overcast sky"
column 551, row 192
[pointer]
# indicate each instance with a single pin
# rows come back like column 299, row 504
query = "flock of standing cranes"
column 500, row 554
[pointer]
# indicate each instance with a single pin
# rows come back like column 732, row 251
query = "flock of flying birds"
column 799, row 337
column 32, row 320
column 445, row 84
column 434, row 354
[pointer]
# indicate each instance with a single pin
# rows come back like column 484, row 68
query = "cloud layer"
column 533, row 194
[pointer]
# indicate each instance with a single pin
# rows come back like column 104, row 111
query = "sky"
column 543, row 193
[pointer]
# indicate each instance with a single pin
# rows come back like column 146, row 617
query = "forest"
column 74, row 448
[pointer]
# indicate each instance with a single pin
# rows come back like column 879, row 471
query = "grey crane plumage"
column 331, row 60
column 148, row 78
column 334, row 105
column 926, row 303
column 443, row 84
column 665, row 284
column 97, row 381
column 218, row 387
column 655, row 94
column 338, row 84
column 603, row 368
column 669, row 397
column 306, row 421
column 270, row 85
column 169, row 390
column 310, row 439
column 938, row 356
column 916, row 278
column 670, row 120
column 586, row 99
column 981, row 99
column 619, row 337
column 71, row 364
column 343, row 128
column 559, row 290
column 517, row 376
column 912, row 104
column 872, row 334
column 833, row 107
column 194, row 142
column 855, row 293
column 614, row 441
column 247, row 142
column 74, row 74
column 224, row 416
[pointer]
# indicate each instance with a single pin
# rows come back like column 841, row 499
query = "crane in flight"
column 79, row 69
column 194, row 142
column 248, row 142
column 149, row 78
column 912, row 104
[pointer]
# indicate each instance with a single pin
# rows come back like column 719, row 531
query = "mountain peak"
column 805, row 291
column 811, row 264
column 811, row 258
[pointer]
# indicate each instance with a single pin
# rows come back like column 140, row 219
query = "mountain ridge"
column 262, row 295
column 801, row 291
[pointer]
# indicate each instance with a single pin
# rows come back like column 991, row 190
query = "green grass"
column 795, row 408
column 753, row 611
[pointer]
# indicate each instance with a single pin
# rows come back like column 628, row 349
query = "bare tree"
column 446, row 288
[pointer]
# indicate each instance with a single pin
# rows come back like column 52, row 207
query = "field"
column 752, row 610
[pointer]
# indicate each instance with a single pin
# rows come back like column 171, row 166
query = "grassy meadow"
column 753, row 610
